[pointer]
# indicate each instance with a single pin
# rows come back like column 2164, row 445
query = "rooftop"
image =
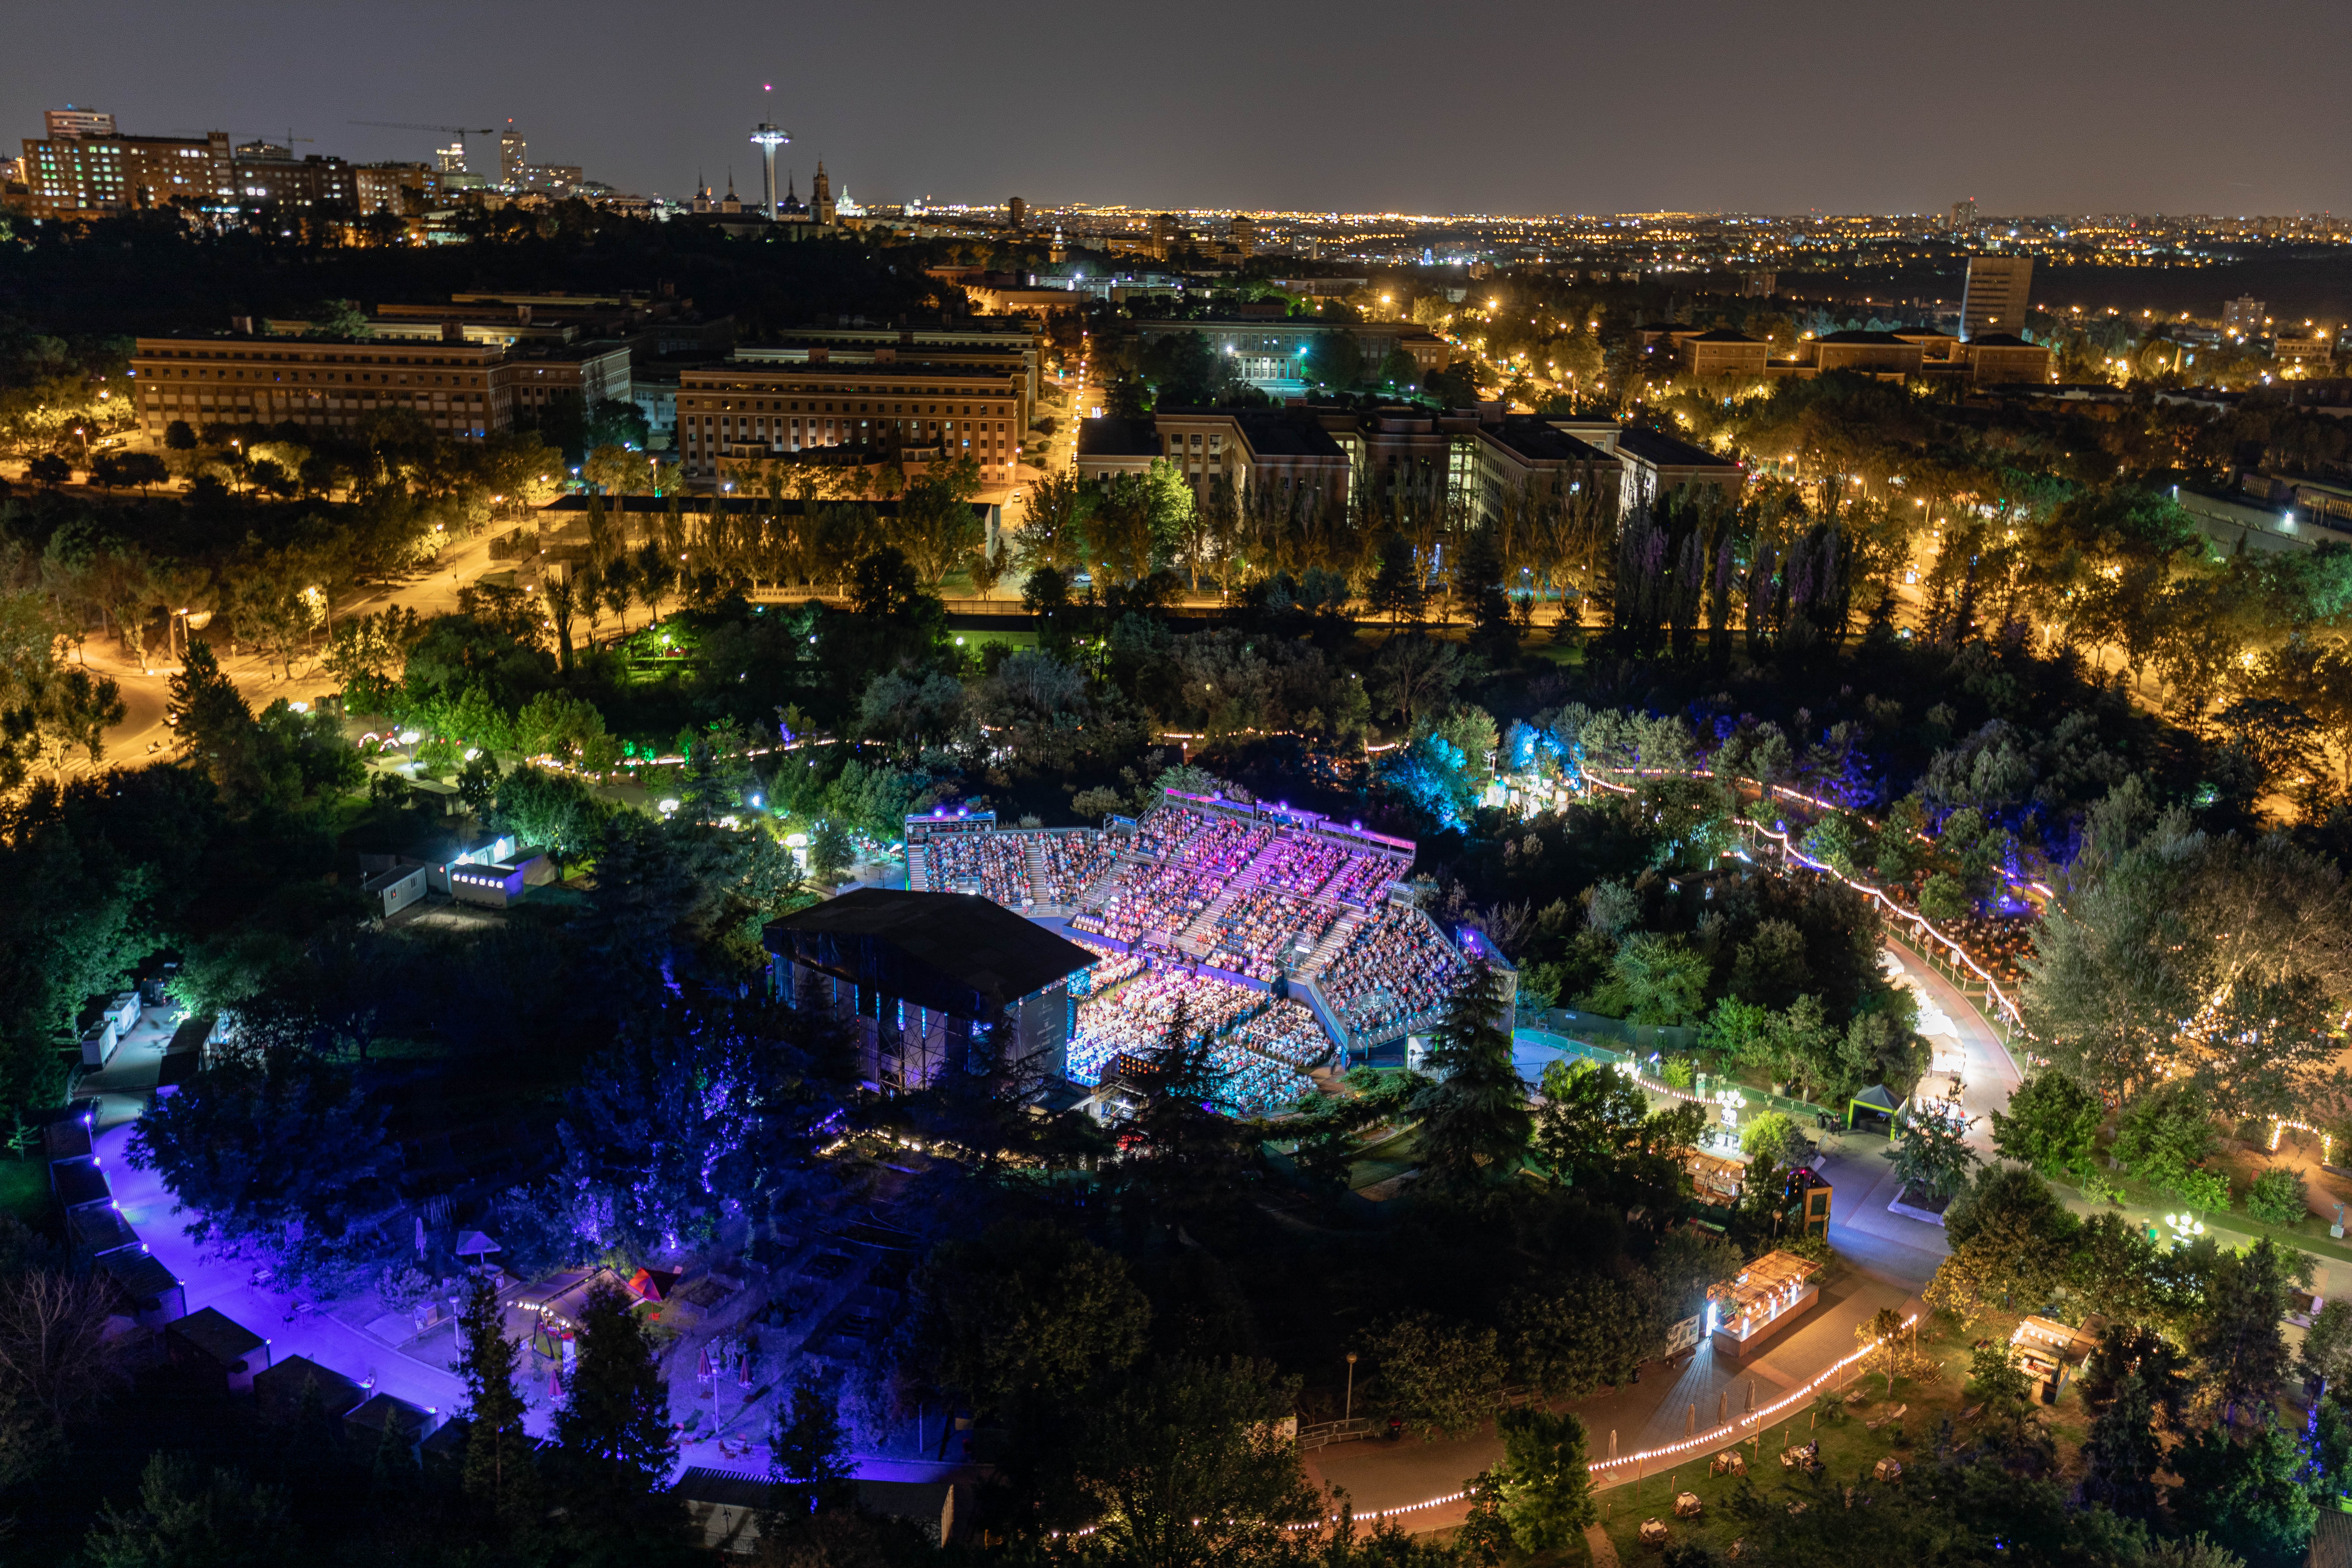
column 1665, row 452
column 1537, row 441
column 221, row 1337
column 1858, row 335
column 1111, row 437
column 972, row 940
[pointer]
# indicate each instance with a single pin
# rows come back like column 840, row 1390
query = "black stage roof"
column 978, row 944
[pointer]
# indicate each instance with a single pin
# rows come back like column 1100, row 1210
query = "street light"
column 1349, row 1414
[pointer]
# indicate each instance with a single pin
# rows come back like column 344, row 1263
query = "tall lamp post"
column 1350, row 1413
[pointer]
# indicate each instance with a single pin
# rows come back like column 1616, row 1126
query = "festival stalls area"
column 1716, row 1180
column 1767, row 1296
column 555, row 1303
column 2049, row 1353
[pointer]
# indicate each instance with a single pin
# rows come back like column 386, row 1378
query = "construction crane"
column 405, row 125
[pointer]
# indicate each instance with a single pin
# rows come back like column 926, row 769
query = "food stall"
column 1767, row 1296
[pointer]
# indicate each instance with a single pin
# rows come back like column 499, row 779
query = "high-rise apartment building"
column 1017, row 214
column 1244, row 231
column 268, row 173
column 1964, row 214
column 404, row 190
column 71, row 175
column 2244, row 315
column 512, row 157
column 1993, row 299
column 450, row 160
column 71, row 122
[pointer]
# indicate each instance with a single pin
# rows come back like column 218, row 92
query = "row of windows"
column 348, row 375
column 302, row 358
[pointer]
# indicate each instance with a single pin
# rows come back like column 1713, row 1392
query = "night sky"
column 1508, row 106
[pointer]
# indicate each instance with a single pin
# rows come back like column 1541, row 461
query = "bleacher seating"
column 1072, row 860
column 1392, row 976
column 989, row 864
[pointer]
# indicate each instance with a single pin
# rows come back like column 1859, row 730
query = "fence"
column 1704, row 1089
column 1323, row 1434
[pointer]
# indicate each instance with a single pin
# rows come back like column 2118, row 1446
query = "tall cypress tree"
column 1474, row 1119
column 499, row 1470
column 614, row 1427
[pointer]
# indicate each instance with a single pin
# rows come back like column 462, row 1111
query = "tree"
column 1335, row 360
column 1474, row 1119
column 1934, row 1156
column 214, row 726
column 2199, row 964
column 338, row 319
column 1415, row 674
column 1654, row 979
column 2327, row 1353
column 1546, row 1489
column 2166, row 1134
column 614, row 1422
column 2052, row 1124
column 1443, row 1378
column 2121, row 1453
column 499, row 1471
column 1397, row 588
column 49, row 470
column 1024, row 1310
column 2244, row 1356
column 2007, row 1235
column 1590, row 1115
column 1187, row 1465
column 54, row 1352
column 809, row 1452
column 2247, row 1489
column 275, row 1147
column 830, row 853
column 190, row 1518
column 2277, row 1197
column 1996, row 1381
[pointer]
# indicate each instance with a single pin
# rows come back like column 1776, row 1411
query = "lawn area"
column 1849, row 1450
column 25, row 1190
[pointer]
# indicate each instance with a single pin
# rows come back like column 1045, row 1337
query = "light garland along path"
column 1613, row 1472
column 1918, row 923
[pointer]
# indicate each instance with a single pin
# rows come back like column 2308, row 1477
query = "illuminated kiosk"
column 1769, row 1295
column 2049, row 1353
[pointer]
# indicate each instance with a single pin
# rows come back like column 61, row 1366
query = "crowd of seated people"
column 1074, row 860
column 1224, row 847
column 1360, row 881
column 1165, row 829
column 1302, row 865
column 1391, row 976
column 1288, row 1033
column 1252, row 931
column 1154, row 901
column 1113, row 968
column 1134, row 1021
column 996, row 867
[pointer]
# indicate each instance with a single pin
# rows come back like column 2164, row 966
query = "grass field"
column 1848, row 1452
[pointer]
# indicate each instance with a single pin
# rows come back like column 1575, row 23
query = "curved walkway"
column 1889, row 1258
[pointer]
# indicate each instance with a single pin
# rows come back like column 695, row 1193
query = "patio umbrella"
column 702, row 1364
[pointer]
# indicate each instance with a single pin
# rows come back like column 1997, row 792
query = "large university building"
column 458, row 388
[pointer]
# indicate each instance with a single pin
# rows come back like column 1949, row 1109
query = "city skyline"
column 1527, row 110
